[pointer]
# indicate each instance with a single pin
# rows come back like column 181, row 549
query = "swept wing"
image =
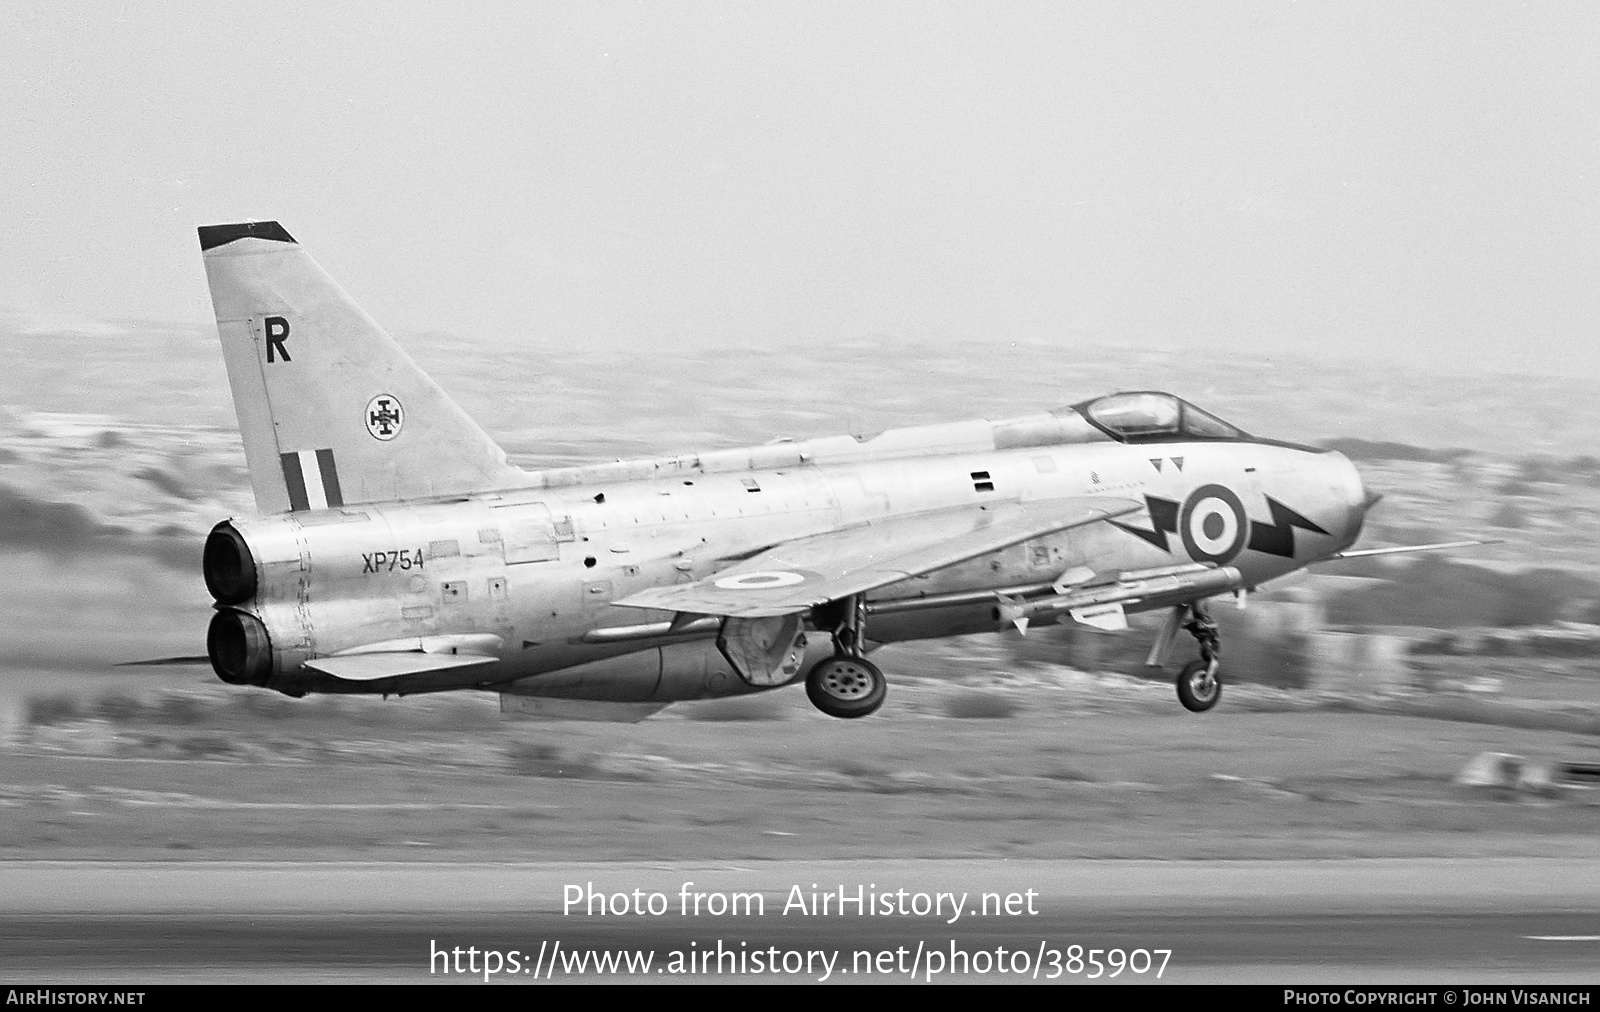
column 809, row 571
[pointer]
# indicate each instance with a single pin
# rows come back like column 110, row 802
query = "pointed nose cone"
column 1356, row 497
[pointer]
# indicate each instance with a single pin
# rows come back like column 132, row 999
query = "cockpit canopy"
column 1149, row 416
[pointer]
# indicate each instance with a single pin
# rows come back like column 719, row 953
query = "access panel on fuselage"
column 527, row 532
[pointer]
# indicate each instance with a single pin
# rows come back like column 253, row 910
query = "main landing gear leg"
column 847, row 684
column 1200, row 683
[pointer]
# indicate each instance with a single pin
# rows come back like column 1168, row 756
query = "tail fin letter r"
column 277, row 333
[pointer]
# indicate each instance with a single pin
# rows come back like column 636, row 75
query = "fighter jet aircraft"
column 397, row 551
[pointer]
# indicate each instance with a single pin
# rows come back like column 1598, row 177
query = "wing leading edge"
column 809, row 571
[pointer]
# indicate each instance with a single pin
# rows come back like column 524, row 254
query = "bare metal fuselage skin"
column 529, row 574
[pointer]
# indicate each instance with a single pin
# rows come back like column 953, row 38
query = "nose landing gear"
column 1200, row 682
column 847, row 684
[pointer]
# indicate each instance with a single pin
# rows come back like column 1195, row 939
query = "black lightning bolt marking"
column 1277, row 538
column 1163, row 521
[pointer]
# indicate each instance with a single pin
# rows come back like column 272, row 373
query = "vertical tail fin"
column 332, row 410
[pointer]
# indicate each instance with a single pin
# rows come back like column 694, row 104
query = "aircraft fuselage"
column 530, row 574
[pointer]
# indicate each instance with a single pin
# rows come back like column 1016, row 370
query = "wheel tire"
column 1196, row 692
column 846, row 687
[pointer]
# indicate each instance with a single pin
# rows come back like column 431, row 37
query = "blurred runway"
column 1446, row 921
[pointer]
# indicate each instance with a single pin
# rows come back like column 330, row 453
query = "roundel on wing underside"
column 764, row 580
column 1213, row 525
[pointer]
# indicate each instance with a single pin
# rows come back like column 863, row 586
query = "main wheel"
column 847, row 687
column 1198, row 691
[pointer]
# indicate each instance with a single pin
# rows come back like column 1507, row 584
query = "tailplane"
column 332, row 411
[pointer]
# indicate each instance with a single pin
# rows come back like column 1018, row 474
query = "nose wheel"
column 1199, row 688
column 1200, row 682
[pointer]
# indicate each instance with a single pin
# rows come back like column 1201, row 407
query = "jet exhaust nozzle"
column 239, row 648
column 230, row 568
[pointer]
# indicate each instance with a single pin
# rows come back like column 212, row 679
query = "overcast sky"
column 1345, row 179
